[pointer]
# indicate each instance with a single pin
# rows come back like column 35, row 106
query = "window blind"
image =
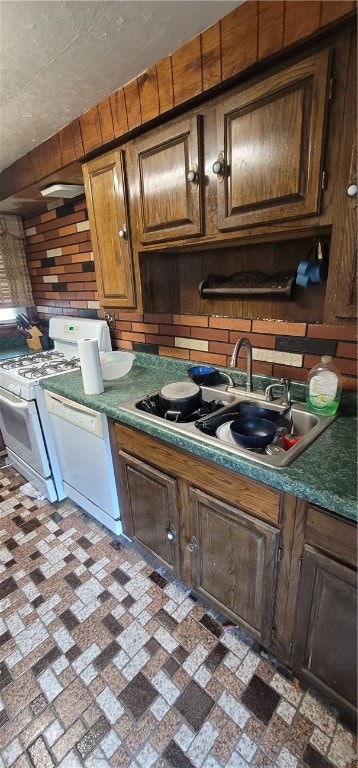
column 15, row 284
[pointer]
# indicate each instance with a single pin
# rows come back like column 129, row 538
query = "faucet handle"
column 229, row 379
column 268, row 392
column 286, row 398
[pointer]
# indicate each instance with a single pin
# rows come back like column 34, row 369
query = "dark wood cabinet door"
column 325, row 639
column 341, row 300
column 170, row 205
column 149, row 508
column 272, row 140
column 107, row 202
column 235, row 562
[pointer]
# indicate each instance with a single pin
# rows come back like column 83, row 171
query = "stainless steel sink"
column 308, row 425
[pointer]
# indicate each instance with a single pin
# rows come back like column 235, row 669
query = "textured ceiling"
column 58, row 58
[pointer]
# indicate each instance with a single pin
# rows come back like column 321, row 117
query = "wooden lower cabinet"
column 279, row 567
column 149, row 508
column 235, row 561
column 218, row 548
column 325, row 644
column 324, row 638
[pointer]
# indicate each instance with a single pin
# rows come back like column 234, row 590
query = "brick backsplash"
column 59, row 252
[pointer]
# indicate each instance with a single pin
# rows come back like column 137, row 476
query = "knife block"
column 34, row 342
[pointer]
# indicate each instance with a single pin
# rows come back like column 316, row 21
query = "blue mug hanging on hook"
column 312, row 270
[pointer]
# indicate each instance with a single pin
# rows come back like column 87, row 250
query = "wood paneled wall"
column 253, row 31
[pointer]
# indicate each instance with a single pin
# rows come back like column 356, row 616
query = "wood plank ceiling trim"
column 165, row 85
column 251, row 32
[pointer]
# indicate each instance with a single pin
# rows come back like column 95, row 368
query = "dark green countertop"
column 325, row 474
column 13, row 346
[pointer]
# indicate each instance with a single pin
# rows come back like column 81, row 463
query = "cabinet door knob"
column 193, row 176
column 218, row 166
column 170, row 535
column 193, row 545
column 123, row 234
column 352, row 190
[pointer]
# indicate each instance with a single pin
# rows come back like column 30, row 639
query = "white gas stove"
column 24, row 420
column 21, row 375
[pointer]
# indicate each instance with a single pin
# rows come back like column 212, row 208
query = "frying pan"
column 252, row 410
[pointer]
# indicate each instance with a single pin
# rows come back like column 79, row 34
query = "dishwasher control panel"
column 76, row 414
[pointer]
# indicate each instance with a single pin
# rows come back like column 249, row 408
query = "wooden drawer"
column 334, row 535
column 226, row 485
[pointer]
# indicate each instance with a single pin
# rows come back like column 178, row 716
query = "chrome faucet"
column 243, row 342
column 285, row 384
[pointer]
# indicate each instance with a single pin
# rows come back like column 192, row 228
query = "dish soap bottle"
column 324, row 387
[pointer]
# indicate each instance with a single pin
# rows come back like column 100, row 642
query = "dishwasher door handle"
column 69, row 403
column 77, row 414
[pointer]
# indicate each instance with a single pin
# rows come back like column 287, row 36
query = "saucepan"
column 253, row 433
column 179, row 399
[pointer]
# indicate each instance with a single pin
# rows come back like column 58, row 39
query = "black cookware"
column 212, row 423
column 252, row 410
column 202, row 374
column 179, row 399
column 253, row 433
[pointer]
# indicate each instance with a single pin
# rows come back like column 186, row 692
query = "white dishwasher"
column 84, row 454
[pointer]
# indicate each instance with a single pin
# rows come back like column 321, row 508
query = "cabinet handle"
column 193, row 545
column 352, row 190
column 219, row 166
column 123, row 234
column 193, row 176
column 171, row 535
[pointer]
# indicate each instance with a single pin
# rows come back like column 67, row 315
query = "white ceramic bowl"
column 115, row 364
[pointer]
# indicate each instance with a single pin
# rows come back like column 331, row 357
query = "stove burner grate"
column 38, row 365
column 29, row 361
column 48, row 368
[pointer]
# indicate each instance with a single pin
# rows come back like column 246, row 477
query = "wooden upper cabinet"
column 169, row 203
column 108, row 213
column 346, row 286
column 342, row 279
column 271, row 136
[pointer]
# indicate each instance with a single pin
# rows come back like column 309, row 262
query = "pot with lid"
column 179, row 399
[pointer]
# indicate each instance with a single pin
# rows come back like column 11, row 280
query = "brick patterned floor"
column 107, row 663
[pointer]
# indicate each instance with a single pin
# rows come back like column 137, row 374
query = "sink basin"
column 213, row 429
column 302, row 421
